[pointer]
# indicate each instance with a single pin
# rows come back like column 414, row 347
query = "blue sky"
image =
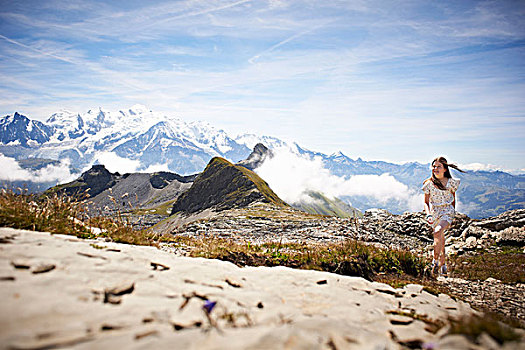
column 382, row 80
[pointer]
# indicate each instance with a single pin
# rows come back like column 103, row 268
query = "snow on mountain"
column 66, row 125
column 19, row 128
column 339, row 157
column 250, row 140
column 135, row 134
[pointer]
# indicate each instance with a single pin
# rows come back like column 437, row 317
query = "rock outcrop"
column 258, row 156
column 223, row 185
column 464, row 235
column 110, row 192
column 410, row 223
column 91, row 182
column 505, row 229
column 63, row 292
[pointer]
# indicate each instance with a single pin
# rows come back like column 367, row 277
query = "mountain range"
column 134, row 134
column 155, row 141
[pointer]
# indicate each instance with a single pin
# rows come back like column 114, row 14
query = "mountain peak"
column 62, row 114
column 338, row 154
column 16, row 118
column 223, row 185
column 259, row 154
column 92, row 182
column 21, row 130
column 138, row 109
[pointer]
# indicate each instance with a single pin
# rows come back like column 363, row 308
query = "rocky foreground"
column 467, row 237
column 260, row 223
column 60, row 291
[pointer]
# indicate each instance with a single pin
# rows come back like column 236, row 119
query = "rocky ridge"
column 262, row 223
column 91, row 182
column 112, row 192
column 222, row 186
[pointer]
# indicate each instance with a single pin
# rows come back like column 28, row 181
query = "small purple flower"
column 209, row 305
column 429, row 346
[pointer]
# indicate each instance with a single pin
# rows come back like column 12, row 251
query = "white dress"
column 441, row 200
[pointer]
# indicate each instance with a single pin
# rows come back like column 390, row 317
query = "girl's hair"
column 446, row 165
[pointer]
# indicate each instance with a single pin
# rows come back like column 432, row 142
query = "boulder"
column 513, row 236
column 511, row 218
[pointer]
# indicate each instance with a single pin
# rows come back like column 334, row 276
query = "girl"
column 440, row 204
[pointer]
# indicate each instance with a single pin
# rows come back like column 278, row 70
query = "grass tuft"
column 348, row 257
column 507, row 266
column 61, row 214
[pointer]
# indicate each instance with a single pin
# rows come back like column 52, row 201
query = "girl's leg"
column 443, row 256
column 437, row 244
column 439, row 241
column 437, row 250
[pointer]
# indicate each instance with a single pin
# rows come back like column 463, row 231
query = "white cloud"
column 479, row 166
column 154, row 168
column 291, row 176
column 10, row 170
column 489, row 167
column 114, row 163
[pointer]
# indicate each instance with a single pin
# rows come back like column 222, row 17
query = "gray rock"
column 258, row 156
column 471, row 242
column 514, row 236
column 510, row 218
column 43, row 268
column 454, row 342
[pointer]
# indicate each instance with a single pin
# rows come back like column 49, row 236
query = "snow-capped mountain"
column 135, row 134
column 18, row 130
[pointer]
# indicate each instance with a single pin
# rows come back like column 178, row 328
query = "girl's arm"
column 454, row 201
column 427, row 208
column 427, row 204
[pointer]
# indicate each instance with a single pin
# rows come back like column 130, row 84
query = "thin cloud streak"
column 198, row 13
column 44, row 53
column 281, row 43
